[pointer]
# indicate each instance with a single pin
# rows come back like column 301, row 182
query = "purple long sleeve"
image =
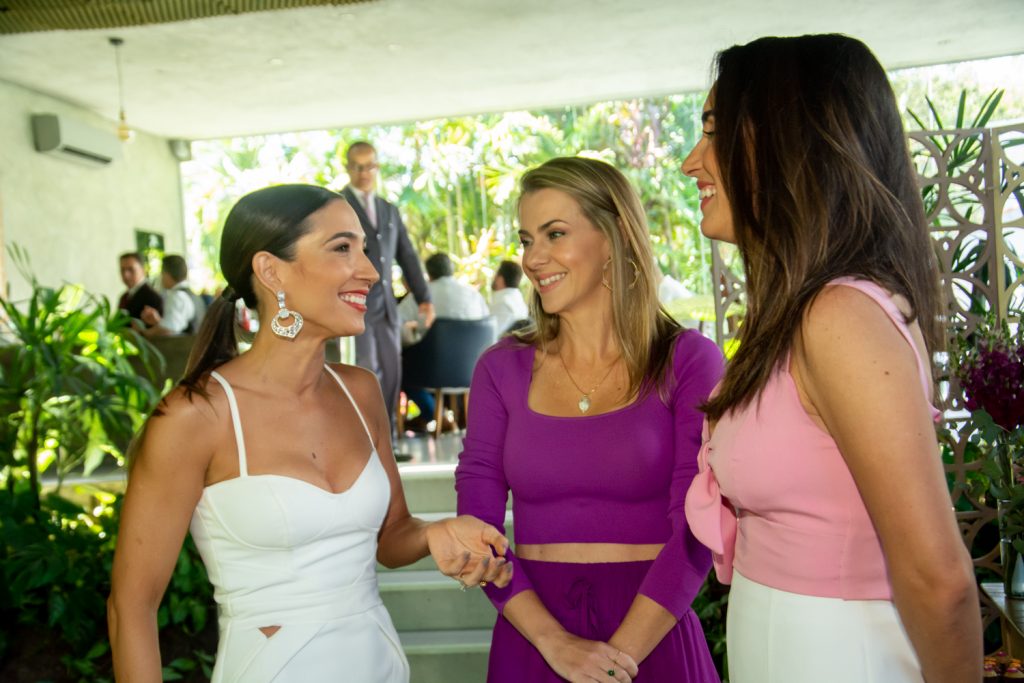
column 618, row 477
column 480, row 481
column 681, row 566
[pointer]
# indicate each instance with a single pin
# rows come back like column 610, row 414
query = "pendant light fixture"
column 123, row 131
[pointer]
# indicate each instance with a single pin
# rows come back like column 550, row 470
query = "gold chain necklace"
column 584, row 402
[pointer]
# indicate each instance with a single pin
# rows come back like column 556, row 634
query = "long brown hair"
column 642, row 328
column 814, row 161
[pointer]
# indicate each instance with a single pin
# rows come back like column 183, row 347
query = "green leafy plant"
column 710, row 606
column 55, row 563
column 69, row 393
column 74, row 386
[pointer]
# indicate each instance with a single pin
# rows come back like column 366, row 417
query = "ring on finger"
column 611, row 672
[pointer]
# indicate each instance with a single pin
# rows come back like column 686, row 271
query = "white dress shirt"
column 508, row 306
column 369, row 205
column 451, row 299
column 179, row 308
column 670, row 289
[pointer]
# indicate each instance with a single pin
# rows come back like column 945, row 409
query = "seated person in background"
column 671, row 295
column 507, row 304
column 451, row 299
column 140, row 293
column 183, row 310
column 669, row 288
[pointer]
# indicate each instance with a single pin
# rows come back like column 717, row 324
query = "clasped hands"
column 580, row 660
column 473, row 553
column 470, row 551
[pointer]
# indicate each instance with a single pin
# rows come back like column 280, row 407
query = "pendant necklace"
column 584, row 402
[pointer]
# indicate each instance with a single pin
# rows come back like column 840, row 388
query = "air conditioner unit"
column 71, row 139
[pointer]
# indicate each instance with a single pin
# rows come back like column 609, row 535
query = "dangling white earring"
column 283, row 313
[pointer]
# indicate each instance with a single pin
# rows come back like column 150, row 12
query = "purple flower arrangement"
column 991, row 372
column 990, row 366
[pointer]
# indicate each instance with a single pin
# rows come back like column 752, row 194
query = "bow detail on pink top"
column 711, row 519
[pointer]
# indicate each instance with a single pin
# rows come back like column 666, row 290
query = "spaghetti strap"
column 236, row 421
column 353, row 401
column 882, row 298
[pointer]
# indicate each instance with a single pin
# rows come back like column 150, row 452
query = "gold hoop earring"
column 604, row 271
column 636, row 273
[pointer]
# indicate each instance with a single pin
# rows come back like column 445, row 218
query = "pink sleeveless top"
column 774, row 497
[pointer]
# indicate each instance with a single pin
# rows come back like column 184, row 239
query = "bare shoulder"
column 359, row 381
column 843, row 327
column 185, row 429
column 365, row 390
column 362, row 383
column 843, row 311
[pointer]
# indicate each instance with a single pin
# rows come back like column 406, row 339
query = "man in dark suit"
column 140, row 294
column 387, row 242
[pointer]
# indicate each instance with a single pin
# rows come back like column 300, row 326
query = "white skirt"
column 779, row 637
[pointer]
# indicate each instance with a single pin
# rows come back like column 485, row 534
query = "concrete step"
column 456, row 656
column 430, row 601
column 430, row 487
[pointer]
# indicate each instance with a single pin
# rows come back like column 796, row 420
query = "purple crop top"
column 617, row 477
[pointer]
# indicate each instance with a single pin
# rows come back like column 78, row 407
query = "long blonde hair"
column 643, row 329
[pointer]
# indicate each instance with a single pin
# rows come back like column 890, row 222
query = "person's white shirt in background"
column 451, row 298
column 671, row 289
column 507, row 307
column 179, row 308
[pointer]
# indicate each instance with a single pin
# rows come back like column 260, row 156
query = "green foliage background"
column 455, row 179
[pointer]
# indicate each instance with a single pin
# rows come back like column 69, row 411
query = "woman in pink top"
column 820, row 492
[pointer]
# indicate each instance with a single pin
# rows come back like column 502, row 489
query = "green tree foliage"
column 455, row 179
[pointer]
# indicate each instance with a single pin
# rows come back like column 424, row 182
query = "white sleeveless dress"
column 283, row 552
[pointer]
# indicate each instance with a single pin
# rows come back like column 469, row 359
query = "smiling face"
column 330, row 276
column 702, row 164
column 563, row 253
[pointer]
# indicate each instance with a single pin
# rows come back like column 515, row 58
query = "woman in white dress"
column 281, row 467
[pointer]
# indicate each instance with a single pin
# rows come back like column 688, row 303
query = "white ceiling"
column 402, row 60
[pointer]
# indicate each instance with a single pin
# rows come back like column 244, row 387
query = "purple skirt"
column 590, row 601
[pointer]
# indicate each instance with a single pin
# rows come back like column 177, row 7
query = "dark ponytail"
column 216, row 343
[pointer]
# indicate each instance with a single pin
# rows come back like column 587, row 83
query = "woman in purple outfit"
column 591, row 420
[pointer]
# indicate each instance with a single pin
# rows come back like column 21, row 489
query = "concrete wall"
column 75, row 219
